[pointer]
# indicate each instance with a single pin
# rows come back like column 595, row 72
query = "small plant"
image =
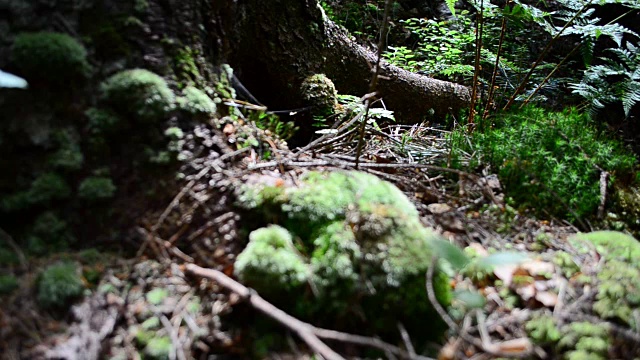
column 52, row 57
column 543, row 330
column 96, row 188
column 273, row 124
column 138, row 93
column 58, row 285
column 444, row 48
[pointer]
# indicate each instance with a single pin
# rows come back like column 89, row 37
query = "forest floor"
column 152, row 305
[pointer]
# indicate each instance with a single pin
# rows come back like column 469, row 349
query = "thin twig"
column 373, row 84
column 303, row 329
column 476, row 63
column 494, row 75
column 309, row 333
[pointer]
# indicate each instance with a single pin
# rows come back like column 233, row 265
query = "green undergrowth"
column 342, row 246
column 548, row 161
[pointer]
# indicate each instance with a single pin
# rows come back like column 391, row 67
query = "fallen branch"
column 309, row 333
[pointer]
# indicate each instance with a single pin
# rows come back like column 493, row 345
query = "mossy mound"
column 618, row 290
column 52, row 57
column 138, row 93
column 349, row 243
column 320, row 92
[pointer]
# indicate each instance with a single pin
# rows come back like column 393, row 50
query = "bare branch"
column 309, row 333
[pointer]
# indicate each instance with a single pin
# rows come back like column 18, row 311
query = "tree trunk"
column 284, row 41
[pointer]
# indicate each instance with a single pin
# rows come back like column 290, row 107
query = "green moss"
column 565, row 261
column 102, row 121
column 222, row 81
column 8, row 283
column 58, row 285
column 270, row 259
column 48, row 232
column 52, row 57
column 195, row 102
column 357, row 237
column 318, row 90
column 543, row 330
column 157, row 296
column 68, row 156
column 548, row 161
column 618, row 291
column 186, row 67
column 44, row 189
column 96, row 188
column 585, row 340
column 158, row 348
column 138, row 93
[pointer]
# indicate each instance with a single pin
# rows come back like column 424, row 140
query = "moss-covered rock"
column 58, row 285
column 318, row 90
column 138, row 93
column 349, row 237
column 52, row 57
column 618, row 289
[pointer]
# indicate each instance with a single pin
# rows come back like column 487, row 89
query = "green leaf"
column 451, row 253
column 502, row 258
column 451, row 5
column 471, row 299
